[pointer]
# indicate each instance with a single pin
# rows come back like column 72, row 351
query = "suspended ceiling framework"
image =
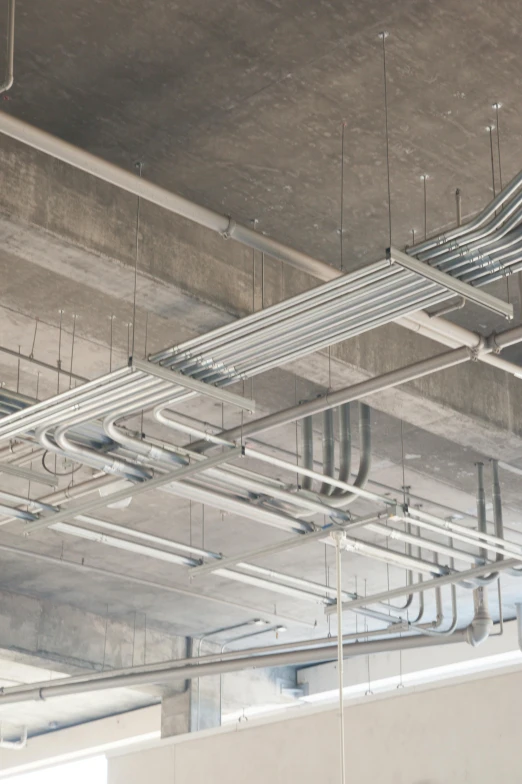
column 438, row 471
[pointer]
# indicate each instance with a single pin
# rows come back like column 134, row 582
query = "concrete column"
column 191, row 706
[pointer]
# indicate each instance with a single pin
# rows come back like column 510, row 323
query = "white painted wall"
column 468, row 732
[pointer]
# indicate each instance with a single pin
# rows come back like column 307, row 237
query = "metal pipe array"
column 485, row 249
column 333, row 312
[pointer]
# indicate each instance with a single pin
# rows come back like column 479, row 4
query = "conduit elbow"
column 479, row 629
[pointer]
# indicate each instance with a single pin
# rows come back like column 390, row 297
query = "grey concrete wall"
column 41, row 631
column 463, row 733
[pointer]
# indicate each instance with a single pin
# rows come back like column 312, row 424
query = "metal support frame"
column 144, row 487
column 437, row 582
column 277, row 547
column 470, row 293
column 178, row 379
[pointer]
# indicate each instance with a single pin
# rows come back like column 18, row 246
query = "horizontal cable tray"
column 340, row 309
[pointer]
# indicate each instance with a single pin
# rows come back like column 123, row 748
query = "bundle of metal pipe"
column 486, row 248
column 337, row 310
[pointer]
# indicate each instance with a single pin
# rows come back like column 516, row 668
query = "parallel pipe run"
column 46, row 690
column 363, row 389
column 151, row 484
column 449, row 579
column 80, row 159
column 86, row 162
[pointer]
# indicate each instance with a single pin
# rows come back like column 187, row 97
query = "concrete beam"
column 39, row 632
column 63, row 639
column 83, row 230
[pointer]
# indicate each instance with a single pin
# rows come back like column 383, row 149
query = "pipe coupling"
column 492, row 344
column 479, row 349
column 229, row 231
column 480, row 627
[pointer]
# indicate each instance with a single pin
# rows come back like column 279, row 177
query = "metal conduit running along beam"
column 373, row 385
column 96, row 167
column 222, row 224
column 276, row 547
column 109, row 574
column 448, row 579
column 46, row 690
column 281, row 583
column 274, row 336
column 157, row 669
column 240, row 359
column 80, row 159
column 458, row 287
column 361, row 390
column 196, row 386
column 151, row 484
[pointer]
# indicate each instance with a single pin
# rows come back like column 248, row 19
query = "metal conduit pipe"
column 365, row 459
column 322, row 591
column 46, row 690
column 9, row 74
column 237, row 479
column 84, row 161
column 51, row 501
column 435, row 629
column 474, row 260
column 307, row 449
column 176, row 424
column 163, row 555
column 78, row 394
column 225, row 226
column 359, row 281
column 371, row 386
column 113, row 465
column 57, row 413
column 344, row 498
column 477, row 274
column 331, row 319
column 483, row 527
column 497, row 515
column 304, row 347
column 234, row 482
column 454, row 260
column 507, row 217
column 298, row 469
column 392, row 557
column 428, row 544
column 345, row 446
column 280, row 352
column 488, row 542
column 152, row 452
column 288, row 351
column 328, row 451
column 157, row 669
column 239, row 507
column 479, row 220
column 331, row 299
column 480, row 627
column 449, row 579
